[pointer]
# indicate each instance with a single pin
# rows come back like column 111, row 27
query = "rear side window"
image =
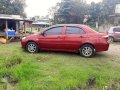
column 54, row 31
column 74, row 30
column 116, row 30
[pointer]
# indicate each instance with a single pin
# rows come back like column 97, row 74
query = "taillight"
column 106, row 38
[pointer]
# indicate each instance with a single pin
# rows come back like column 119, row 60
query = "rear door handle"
column 81, row 36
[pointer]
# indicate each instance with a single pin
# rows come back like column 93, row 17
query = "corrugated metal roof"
column 13, row 17
column 41, row 23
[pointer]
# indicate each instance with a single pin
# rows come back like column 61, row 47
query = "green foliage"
column 15, row 7
column 71, row 11
column 101, row 11
column 56, row 70
column 74, row 11
column 109, row 6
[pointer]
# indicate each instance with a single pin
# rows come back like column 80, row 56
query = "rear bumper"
column 102, row 47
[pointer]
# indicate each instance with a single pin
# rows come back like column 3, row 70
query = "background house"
column 41, row 23
column 13, row 26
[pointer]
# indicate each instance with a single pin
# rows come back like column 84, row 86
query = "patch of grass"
column 56, row 70
column 117, row 43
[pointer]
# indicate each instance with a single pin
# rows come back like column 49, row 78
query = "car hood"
column 33, row 36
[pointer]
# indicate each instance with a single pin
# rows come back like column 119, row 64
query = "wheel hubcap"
column 32, row 48
column 87, row 51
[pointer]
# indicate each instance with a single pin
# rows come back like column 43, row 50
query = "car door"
column 52, row 38
column 73, row 38
column 116, row 33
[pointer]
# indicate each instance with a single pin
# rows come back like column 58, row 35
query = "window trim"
column 75, row 27
column 52, row 28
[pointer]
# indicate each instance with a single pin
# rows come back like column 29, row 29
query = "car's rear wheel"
column 87, row 50
column 111, row 39
column 32, row 47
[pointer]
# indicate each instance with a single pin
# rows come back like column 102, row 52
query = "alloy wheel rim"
column 32, row 48
column 87, row 51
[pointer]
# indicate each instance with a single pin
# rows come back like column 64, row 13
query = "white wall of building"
column 117, row 9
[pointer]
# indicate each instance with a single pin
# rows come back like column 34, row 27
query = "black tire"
column 111, row 40
column 32, row 47
column 87, row 51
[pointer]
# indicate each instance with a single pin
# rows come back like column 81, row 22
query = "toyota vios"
column 67, row 37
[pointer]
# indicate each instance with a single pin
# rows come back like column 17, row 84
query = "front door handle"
column 60, row 37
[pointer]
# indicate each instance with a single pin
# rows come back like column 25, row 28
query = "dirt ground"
column 114, row 50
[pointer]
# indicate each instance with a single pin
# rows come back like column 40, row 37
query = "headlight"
column 23, row 38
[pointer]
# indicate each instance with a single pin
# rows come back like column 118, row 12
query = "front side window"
column 54, row 31
column 116, row 30
column 74, row 30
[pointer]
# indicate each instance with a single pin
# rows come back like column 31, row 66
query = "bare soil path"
column 114, row 50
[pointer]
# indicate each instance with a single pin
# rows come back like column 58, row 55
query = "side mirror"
column 43, row 34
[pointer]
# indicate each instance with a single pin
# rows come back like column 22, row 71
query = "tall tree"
column 101, row 12
column 74, row 11
column 12, row 7
column 71, row 11
column 95, row 10
column 109, row 6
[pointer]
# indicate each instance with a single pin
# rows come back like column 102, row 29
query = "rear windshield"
column 90, row 29
column 116, row 30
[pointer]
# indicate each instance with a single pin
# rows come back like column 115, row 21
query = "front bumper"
column 23, row 43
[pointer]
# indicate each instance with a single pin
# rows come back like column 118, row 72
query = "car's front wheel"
column 32, row 47
column 87, row 50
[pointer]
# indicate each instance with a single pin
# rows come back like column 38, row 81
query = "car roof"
column 58, row 25
column 74, row 25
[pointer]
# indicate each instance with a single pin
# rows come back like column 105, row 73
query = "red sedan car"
column 67, row 37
